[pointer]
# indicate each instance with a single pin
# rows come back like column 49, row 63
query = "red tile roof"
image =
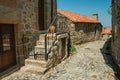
column 107, row 31
column 77, row 17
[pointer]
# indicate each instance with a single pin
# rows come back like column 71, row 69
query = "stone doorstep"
column 34, row 69
column 35, row 66
column 37, row 63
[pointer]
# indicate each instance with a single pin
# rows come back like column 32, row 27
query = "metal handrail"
column 31, row 51
column 46, row 54
column 47, row 46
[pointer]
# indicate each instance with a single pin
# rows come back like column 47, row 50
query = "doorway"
column 41, row 14
column 63, row 47
column 7, row 47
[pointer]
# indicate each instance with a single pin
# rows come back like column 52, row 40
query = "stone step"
column 34, row 69
column 50, row 36
column 40, row 49
column 42, row 42
column 37, row 63
column 42, row 46
column 38, row 57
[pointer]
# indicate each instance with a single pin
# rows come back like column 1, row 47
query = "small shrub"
column 72, row 49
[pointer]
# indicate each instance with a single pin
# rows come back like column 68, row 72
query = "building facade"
column 81, row 28
column 20, row 21
column 116, row 30
column 106, row 33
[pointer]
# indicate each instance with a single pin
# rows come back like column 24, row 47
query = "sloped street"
column 86, row 64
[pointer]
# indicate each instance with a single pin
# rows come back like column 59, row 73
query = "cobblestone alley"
column 86, row 64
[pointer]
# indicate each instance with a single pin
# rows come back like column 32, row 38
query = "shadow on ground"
column 106, row 52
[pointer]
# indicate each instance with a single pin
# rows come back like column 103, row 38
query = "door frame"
column 17, row 65
column 10, row 53
column 15, row 23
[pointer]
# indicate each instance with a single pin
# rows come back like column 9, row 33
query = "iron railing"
column 31, row 47
column 48, row 43
column 47, row 39
column 41, row 54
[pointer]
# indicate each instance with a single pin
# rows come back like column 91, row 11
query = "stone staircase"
column 34, row 66
column 38, row 65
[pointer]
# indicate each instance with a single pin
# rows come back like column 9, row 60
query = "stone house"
column 116, row 30
column 82, row 28
column 106, row 33
column 23, row 24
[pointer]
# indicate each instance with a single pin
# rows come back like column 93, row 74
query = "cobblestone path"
column 86, row 64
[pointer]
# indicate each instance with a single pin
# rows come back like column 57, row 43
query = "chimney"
column 95, row 16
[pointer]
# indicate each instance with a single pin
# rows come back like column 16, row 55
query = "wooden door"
column 7, row 47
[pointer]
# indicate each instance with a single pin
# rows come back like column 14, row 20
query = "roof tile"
column 106, row 30
column 77, row 17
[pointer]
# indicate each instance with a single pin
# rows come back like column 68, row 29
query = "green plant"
column 72, row 49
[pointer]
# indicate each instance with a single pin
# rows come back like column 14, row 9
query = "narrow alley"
column 86, row 64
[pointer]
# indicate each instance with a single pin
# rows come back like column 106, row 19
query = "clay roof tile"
column 77, row 17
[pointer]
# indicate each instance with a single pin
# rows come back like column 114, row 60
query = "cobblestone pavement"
column 86, row 64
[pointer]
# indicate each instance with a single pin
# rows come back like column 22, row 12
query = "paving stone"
column 87, row 64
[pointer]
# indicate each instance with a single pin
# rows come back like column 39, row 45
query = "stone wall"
column 9, row 14
column 106, row 36
column 8, row 3
column 85, row 32
column 28, row 26
column 24, row 15
column 59, row 50
column 63, row 23
column 79, row 32
column 116, row 30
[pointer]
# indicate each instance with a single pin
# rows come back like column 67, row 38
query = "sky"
column 88, row 7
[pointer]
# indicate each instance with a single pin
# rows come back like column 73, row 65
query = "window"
column 6, row 42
